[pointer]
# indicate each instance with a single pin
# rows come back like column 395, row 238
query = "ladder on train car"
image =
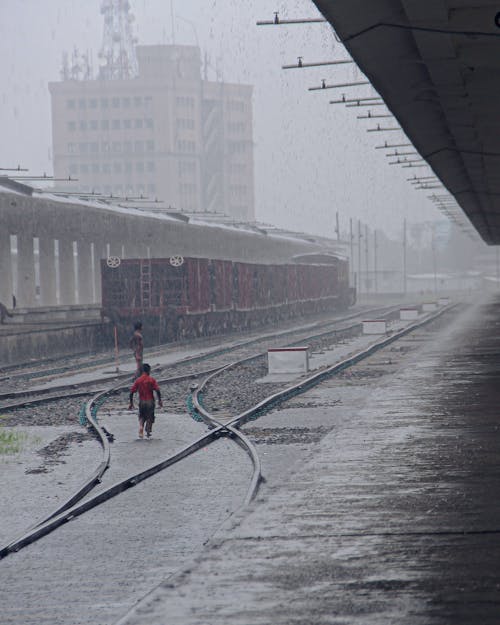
column 146, row 283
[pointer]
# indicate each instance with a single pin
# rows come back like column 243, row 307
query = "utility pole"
column 359, row 254
column 337, row 226
column 375, row 268
column 497, row 266
column 434, row 264
column 367, row 259
column 351, row 240
column 404, row 256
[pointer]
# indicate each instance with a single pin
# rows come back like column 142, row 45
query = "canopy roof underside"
column 436, row 64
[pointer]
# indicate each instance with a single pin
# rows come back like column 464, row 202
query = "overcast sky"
column 311, row 158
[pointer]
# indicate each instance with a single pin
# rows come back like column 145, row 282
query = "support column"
column 112, row 249
column 85, row 274
column 100, row 253
column 66, row 272
column 25, row 288
column 6, row 289
column 47, row 272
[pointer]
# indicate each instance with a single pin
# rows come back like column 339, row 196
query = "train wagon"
column 178, row 297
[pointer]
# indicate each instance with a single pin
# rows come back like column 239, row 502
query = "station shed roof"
column 436, row 64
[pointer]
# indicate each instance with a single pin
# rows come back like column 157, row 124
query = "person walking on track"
column 145, row 385
column 136, row 344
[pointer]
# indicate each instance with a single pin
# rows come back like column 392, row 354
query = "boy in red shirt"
column 145, row 385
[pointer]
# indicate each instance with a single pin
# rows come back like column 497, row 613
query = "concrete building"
column 166, row 133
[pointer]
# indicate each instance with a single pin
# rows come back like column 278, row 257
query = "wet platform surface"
column 393, row 518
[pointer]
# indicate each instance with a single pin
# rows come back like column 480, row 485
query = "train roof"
column 318, row 258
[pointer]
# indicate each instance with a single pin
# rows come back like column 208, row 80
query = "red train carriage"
column 183, row 297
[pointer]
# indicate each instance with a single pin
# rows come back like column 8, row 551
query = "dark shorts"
column 147, row 411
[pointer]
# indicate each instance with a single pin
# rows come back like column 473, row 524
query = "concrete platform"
column 394, row 518
column 21, row 343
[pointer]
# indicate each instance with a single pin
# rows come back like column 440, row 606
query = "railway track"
column 74, row 506
column 184, row 369
column 59, row 366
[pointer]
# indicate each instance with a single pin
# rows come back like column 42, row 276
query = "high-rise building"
column 163, row 132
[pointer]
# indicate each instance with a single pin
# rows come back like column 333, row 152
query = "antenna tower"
column 117, row 56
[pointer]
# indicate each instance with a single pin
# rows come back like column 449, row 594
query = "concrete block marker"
column 408, row 314
column 288, row 359
column 429, row 306
column 444, row 301
column 374, row 326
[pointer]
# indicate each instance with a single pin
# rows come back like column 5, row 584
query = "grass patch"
column 11, row 441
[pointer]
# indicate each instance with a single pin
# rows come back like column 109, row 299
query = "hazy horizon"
column 312, row 159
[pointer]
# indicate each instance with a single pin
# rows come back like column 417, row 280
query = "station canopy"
column 436, row 64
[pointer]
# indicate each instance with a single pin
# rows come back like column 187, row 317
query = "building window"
column 236, row 127
column 187, row 167
column 71, row 126
column 93, row 124
column 139, row 146
column 93, row 103
column 70, row 104
column 82, row 103
column 127, row 146
column 83, row 148
column 148, row 122
column 106, row 168
column 117, row 168
column 127, row 123
column 71, row 148
column 150, row 166
column 188, row 189
column 185, row 124
column 151, row 188
column 105, row 147
column 83, row 125
column 84, row 169
column 238, row 168
column 185, row 146
column 138, row 123
column 148, row 101
column 126, row 103
column 139, row 167
column 104, row 103
column 237, row 147
column 137, row 101
column 116, row 124
column 95, row 168
column 104, row 124
column 184, row 102
column 150, row 146
column 236, row 105
column 238, row 190
column 73, row 168
column 94, row 147
column 115, row 103
column 117, row 146
column 128, row 167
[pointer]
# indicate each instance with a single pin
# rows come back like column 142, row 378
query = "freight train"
column 179, row 297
